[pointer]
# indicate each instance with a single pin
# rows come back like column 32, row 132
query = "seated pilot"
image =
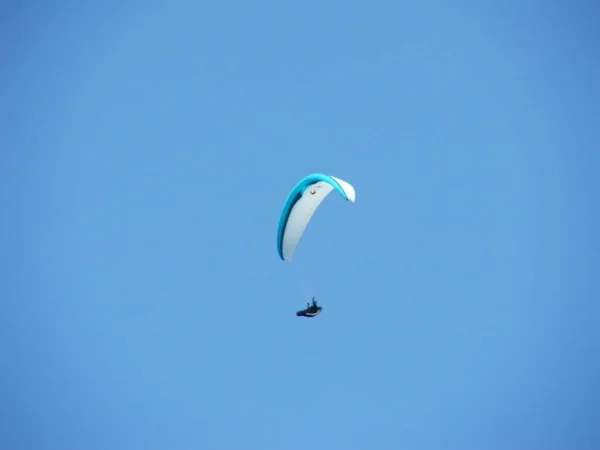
column 311, row 310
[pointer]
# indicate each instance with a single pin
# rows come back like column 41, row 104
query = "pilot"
column 311, row 310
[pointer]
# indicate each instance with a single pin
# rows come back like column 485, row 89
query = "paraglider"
column 302, row 202
column 311, row 310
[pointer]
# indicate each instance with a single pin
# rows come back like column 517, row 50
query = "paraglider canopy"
column 301, row 204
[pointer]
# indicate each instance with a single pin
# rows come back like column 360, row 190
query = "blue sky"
column 147, row 150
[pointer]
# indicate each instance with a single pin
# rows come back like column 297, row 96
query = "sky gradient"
column 147, row 150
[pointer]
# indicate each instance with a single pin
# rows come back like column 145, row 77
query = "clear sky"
column 147, row 148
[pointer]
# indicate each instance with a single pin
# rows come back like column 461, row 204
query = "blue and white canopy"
column 300, row 206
